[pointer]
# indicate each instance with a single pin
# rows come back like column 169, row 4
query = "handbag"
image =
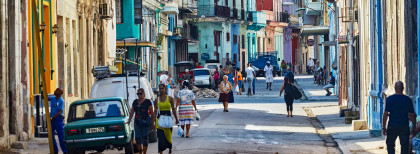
column 164, row 121
column 231, row 98
column 237, row 89
column 197, row 116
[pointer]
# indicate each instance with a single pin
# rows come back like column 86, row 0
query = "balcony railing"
column 234, row 13
column 222, row 11
column 249, row 17
column 257, row 17
column 242, row 14
column 283, row 17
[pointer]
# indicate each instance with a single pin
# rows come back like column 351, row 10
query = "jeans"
column 253, row 86
column 398, row 131
column 249, row 81
column 57, row 125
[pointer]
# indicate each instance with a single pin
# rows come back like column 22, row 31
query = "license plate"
column 95, row 130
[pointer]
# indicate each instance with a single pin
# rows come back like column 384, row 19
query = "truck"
column 261, row 59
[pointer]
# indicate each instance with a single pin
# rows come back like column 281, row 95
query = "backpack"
column 293, row 91
column 290, row 76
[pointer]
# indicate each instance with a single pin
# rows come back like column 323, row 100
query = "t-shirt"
column 142, row 111
column 249, row 72
column 56, row 104
column 216, row 75
column 291, row 76
column 186, row 96
column 332, row 80
column 164, row 79
column 268, row 70
column 239, row 76
column 398, row 107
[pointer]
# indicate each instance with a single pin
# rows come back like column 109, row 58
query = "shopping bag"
column 237, row 89
column 180, row 131
column 197, row 116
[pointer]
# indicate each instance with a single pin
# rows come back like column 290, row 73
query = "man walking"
column 163, row 78
column 268, row 69
column 57, row 117
column 310, row 66
column 399, row 108
column 250, row 76
column 331, row 84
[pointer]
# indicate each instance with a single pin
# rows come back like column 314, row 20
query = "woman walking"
column 225, row 87
column 166, row 103
column 143, row 121
column 186, row 104
column 287, row 97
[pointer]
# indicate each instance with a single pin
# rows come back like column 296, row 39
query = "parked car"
column 99, row 124
column 203, row 78
column 211, row 66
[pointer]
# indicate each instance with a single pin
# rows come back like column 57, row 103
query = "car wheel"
column 129, row 148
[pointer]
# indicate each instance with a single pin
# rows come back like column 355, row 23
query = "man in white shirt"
column 310, row 65
column 250, row 75
column 268, row 69
column 163, row 78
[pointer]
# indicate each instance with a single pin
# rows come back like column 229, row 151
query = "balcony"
column 269, row 15
column 283, row 17
column 235, row 14
column 314, row 7
column 222, row 11
column 258, row 20
column 242, row 14
column 177, row 31
column 170, row 7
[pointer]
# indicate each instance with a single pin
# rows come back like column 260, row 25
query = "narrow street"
column 256, row 124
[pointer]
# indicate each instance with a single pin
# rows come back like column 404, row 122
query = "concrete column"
column 4, row 110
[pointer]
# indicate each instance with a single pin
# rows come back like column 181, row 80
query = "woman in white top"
column 225, row 87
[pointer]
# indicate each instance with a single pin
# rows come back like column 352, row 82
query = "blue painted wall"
column 128, row 29
column 235, row 30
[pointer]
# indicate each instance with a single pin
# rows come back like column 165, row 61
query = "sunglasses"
column 139, row 93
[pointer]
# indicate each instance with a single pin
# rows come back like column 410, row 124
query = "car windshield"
column 91, row 110
column 201, row 72
column 211, row 66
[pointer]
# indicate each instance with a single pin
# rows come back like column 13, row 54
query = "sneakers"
column 329, row 94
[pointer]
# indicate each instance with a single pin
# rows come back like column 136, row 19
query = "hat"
column 187, row 70
column 268, row 62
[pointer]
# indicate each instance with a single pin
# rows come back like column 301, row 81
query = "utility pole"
column 43, row 82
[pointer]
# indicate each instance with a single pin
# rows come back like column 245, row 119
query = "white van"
column 117, row 87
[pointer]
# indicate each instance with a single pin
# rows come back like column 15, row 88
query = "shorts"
column 240, row 83
column 249, row 81
column 269, row 79
column 328, row 86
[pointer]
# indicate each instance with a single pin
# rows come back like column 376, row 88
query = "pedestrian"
column 216, row 78
column 310, row 66
column 171, row 86
column 57, row 117
column 250, row 76
column 268, row 69
column 399, row 108
column 186, row 103
column 187, row 77
column 142, row 121
column 229, row 72
column 239, row 80
column 198, row 65
column 287, row 97
column 283, row 66
column 225, row 88
column 166, row 105
column 331, row 84
column 289, row 74
column 163, row 78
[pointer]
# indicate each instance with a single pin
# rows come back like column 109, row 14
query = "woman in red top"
column 216, row 77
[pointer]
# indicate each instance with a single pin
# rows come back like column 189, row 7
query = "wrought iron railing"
column 234, row 13
column 242, row 14
column 222, row 11
column 250, row 19
column 283, row 17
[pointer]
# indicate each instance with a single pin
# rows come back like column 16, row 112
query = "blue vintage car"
column 99, row 124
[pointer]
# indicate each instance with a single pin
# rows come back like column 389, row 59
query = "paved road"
column 256, row 124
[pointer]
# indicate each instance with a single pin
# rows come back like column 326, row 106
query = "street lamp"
column 42, row 27
column 55, row 28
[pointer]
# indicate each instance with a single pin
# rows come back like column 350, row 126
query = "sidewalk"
column 349, row 141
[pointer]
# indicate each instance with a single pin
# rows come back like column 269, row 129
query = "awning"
column 315, row 31
column 120, row 43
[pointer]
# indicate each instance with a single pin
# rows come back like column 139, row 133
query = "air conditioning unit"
column 105, row 9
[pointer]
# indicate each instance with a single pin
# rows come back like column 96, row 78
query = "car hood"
column 202, row 77
column 97, row 121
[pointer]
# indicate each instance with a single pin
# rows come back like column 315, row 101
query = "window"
column 217, row 38
column 243, row 41
column 228, row 37
column 92, row 110
column 235, row 39
column 118, row 12
column 269, row 40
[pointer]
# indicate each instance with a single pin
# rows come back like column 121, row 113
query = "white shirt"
column 268, row 70
column 311, row 63
column 164, row 79
column 249, row 72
